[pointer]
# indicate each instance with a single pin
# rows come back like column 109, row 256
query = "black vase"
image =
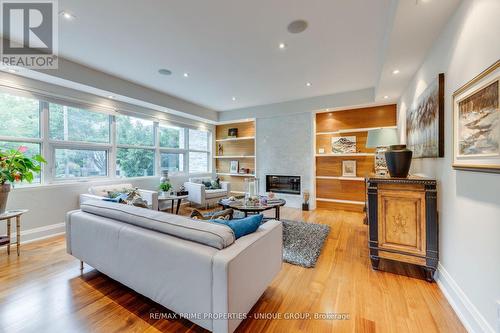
column 398, row 159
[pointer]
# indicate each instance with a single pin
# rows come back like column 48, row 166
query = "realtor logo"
column 29, row 30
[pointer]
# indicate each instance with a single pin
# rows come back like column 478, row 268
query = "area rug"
column 302, row 242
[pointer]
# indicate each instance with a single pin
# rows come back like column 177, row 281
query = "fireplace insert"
column 283, row 184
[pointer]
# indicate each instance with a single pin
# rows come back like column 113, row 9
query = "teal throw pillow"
column 242, row 227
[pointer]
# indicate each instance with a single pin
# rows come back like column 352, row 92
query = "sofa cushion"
column 102, row 191
column 242, row 227
column 214, row 235
column 220, row 193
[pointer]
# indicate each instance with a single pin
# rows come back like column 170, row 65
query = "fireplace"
column 283, row 184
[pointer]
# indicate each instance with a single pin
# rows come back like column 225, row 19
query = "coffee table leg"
column 18, row 234
column 178, row 205
column 8, row 236
column 246, row 214
column 172, row 206
column 278, row 213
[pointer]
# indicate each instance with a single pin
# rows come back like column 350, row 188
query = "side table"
column 171, row 198
column 7, row 216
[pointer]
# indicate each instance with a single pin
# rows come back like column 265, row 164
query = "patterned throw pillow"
column 215, row 185
column 208, row 185
column 226, row 214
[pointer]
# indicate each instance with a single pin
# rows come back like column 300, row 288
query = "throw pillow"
column 208, row 185
column 119, row 198
column 215, row 185
column 226, row 214
column 244, row 226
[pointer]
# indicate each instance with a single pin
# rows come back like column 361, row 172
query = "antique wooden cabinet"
column 403, row 222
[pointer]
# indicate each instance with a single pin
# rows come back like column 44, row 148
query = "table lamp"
column 396, row 159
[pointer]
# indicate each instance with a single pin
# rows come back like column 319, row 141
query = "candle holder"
column 251, row 191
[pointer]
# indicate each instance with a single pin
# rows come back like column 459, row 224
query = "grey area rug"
column 302, row 242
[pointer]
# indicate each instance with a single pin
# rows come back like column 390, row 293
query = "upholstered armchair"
column 200, row 195
column 99, row 192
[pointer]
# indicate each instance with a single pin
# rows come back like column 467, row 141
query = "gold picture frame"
column 476, row 123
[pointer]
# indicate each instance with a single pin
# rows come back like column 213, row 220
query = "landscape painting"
column 479, row 123
column 425, row 122
column 343, row 144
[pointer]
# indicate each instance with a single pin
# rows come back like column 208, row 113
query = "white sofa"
column 189, row 266
column 199, row 195
column 99, row 192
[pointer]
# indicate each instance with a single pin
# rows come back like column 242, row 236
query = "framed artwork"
column 232, row 132
column 234, row 166
column 348, row 168
column 343, row 144
column 476, row 123
column 425, row 122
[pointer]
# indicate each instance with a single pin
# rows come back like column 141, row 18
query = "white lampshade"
column 382, row 137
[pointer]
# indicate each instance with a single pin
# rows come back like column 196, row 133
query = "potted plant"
column 165, row 187
column 15, row 166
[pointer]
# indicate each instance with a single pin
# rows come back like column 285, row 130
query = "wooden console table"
column 403, row 221
column 7, row 216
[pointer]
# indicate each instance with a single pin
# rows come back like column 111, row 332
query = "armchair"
column 98, row 192
column 199, row 195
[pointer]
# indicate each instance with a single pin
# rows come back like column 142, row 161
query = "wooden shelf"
column 354, row 130
column 235, row 156
column 236, row 139
column 236, row 174
column 361, row 179
column 345, row 155
column 341, row 201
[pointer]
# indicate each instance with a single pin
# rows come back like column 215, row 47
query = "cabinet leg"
column 375, row 262
column 429, row 274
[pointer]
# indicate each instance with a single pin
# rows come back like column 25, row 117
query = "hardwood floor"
column 42, row 291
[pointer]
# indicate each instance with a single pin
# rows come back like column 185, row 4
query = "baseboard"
column 39, row 233
column 468, row 314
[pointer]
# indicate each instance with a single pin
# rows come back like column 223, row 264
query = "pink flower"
column 22, row 149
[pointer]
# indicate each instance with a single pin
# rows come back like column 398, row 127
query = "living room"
column 250, row 166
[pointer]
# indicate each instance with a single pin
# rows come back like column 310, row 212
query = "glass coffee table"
column 240, row 205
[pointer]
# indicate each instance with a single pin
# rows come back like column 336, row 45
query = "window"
column 76, row 163
column 173, row 162
column 134, row 131
column 19, row 116
column 132, row 162
column 171, row 137
column 79, row 143
column 73, row 124
column 199, row 151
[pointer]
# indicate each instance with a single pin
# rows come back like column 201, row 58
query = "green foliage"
column 134, row 131
column 135, row 162
column 165, row 187
column 15, row 166
column 171, row 137
column 20, row 116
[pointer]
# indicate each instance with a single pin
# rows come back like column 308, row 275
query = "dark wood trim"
column 441, row 116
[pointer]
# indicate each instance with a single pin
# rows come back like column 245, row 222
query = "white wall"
column 469, row 202
column 284, row 147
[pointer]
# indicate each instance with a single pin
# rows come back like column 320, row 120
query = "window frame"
column 48, row 145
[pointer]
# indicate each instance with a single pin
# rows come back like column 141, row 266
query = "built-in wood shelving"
column 333, row 190
column 240, row 148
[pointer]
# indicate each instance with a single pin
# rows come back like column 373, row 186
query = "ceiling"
column 230, row 48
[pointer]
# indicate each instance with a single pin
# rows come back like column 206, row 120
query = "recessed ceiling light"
column 164, row 71
column 12, row 70
column 282, row 46
column 297, row 26
column 67, row 15
column 396, row 71
column 111, row 97
column 234, row 98
column 386, row 97
column 308, row 84
column 185, row 74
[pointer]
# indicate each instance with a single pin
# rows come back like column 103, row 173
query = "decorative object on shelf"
column 15, row 166
column 476, row 123
column 348, row 168
column 380, row 139
column 244, row 171
column 305, row 196
column 321, row 150
column 425, row 122
column 343, row 144
column 220, row 149
column 232, row 133
column 402, row 220
column 233, row 168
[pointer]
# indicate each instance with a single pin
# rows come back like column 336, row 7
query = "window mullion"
column 156, row 137
column 46, row 149
column 112, row 150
